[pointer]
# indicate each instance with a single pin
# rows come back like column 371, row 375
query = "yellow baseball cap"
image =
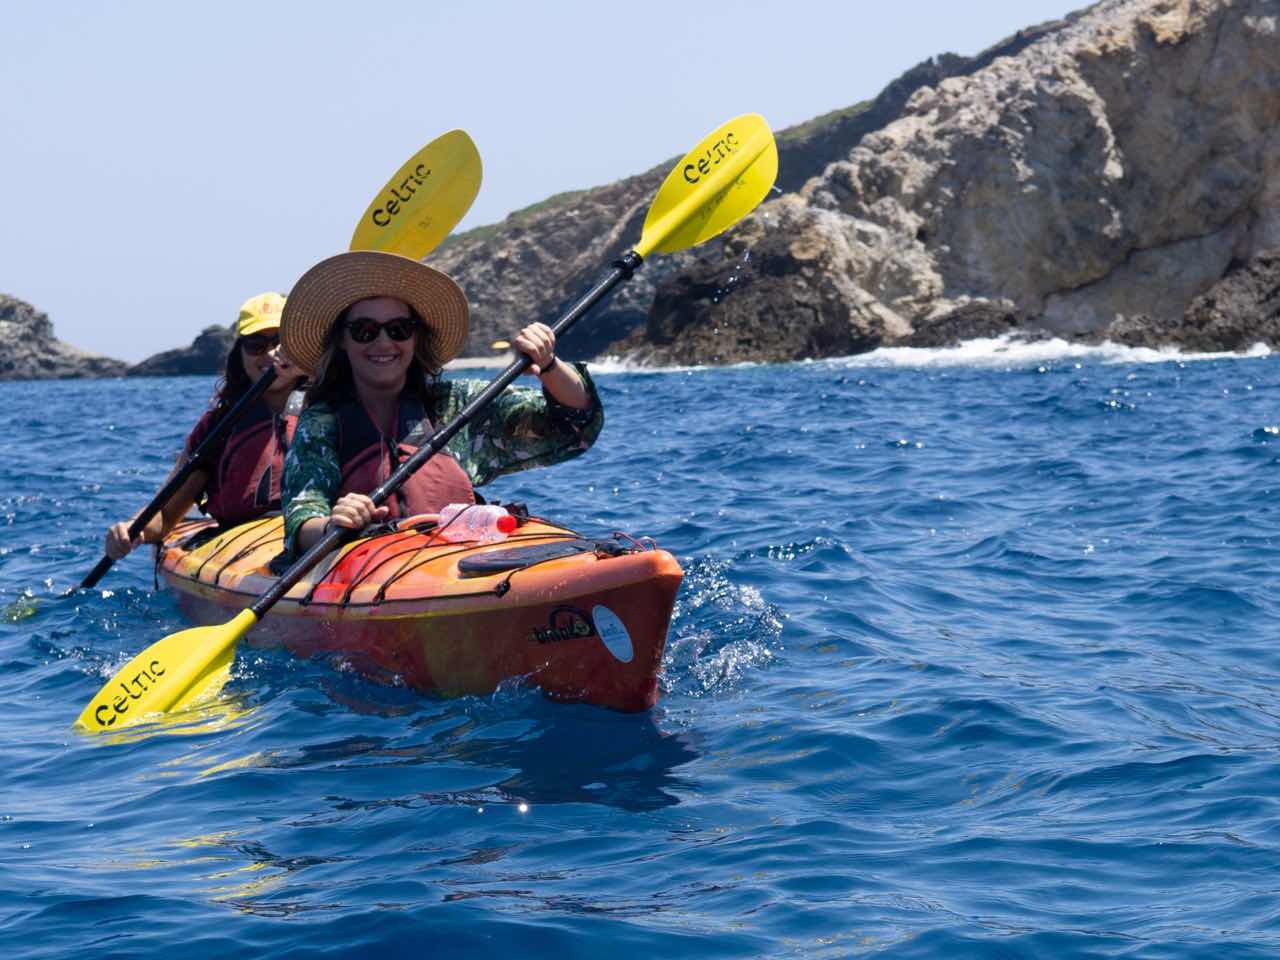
column 260, row 313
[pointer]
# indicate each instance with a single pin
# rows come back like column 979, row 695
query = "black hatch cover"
column 515, row 558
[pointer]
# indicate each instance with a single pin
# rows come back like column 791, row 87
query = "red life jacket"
column 367, row 458
column 244, row 483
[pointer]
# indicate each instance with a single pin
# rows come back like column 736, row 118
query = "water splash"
column 722, row 632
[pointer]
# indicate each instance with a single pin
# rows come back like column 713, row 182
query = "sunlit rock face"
column 1105, row 178
column 534, row 263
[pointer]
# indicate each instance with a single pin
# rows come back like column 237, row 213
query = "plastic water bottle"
column 485, row 522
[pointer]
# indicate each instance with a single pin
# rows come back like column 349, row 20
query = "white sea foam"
column 1010, row 352
column 614, row 364
column 1005, row 352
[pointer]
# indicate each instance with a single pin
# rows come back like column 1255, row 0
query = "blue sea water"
column 976, row 656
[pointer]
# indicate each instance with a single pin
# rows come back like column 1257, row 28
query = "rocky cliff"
column 1119, row 176
column 538, row 260
column 30, row 351
column 1095, row 177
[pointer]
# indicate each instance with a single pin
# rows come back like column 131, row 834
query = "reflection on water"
column 588, row 756
column 560, row 754
column 246, row 871
column 223, row 713
column 441, row 793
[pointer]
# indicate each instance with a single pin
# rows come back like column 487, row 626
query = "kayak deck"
column 585, row 620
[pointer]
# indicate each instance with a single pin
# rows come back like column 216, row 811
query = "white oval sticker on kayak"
column 613, row 632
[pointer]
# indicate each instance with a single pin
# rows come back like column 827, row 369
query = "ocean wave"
column 1011, row 352
column 1005, row 352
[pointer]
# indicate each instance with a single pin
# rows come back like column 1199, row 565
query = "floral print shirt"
column 522, row 427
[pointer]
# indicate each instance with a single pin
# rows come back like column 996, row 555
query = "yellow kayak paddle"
column 425, row 199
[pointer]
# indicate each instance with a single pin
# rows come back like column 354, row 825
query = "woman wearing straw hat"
column 241, row 480
column 374, row 331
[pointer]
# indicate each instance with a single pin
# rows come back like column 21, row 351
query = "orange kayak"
column 584, row 620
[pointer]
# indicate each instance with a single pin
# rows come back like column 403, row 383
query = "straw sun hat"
column 332, row 285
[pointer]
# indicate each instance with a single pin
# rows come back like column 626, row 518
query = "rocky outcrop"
column 207, row 355
column 1107, row 177
column 1241, row 309
column 537, row 261
column 30, row 351
column 731, row 304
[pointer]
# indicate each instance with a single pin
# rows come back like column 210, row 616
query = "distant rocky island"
column 207, row 354
column 29, row 350
column 1114, row 175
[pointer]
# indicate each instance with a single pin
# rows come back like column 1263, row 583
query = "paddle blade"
column 426, row 198
column 20, row 609
column 718, row 183
column 168, row 675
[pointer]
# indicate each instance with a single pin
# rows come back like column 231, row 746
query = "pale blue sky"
column 162, row 162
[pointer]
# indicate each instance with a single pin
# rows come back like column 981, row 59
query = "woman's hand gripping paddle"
column 411, row 215
column 717, row 184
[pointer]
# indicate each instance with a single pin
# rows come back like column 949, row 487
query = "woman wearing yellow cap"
column 241, row 479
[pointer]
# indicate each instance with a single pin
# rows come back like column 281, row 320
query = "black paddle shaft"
column 215, row 436
column 621, row 270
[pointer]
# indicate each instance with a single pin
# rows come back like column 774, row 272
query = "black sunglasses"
column 256, row 346
column 366, row 331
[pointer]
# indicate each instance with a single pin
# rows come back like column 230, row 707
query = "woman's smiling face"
column 382, row 362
